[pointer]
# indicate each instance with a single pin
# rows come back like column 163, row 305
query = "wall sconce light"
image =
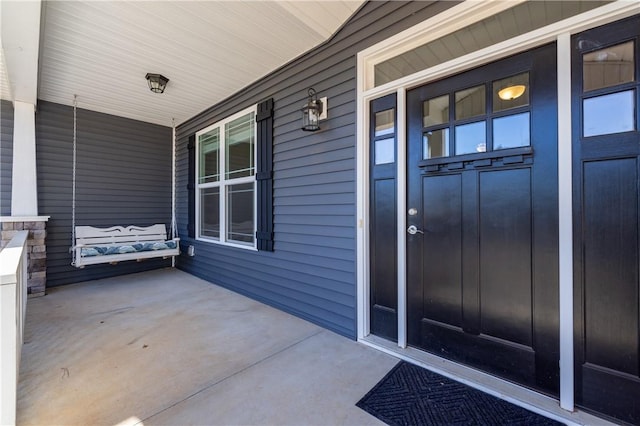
column 157, row 82
column 512, row 92
column 313, row 111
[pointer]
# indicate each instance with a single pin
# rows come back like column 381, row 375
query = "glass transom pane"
column 240, row 145
column 435, row 111
column 511, row 92
column 608, row 67
column 209, row 166
column 210, row 212
column 470, row 102
column 520, row 19
column 511, row 131
column 385, row 122
column 613, row 113
column 471, row 138
column 240, row 221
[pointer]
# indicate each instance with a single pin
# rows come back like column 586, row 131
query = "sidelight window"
column 609, row 103
column 487, row 117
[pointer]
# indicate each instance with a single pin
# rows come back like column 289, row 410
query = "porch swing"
column 92, row 246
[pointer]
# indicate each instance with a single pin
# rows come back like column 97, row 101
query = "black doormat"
column 410, row 395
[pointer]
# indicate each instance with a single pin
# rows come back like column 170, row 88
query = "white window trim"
column 451, row 20
column 222, row 183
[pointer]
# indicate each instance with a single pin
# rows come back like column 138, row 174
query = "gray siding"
column 123, row 178
column 311, row 273
column 6, row 156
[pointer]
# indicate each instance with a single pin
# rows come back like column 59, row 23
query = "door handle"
column 413, row 230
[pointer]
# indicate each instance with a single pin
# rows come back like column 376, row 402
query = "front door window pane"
column 511, row 131
column 435, row 144
column 471, row 138
column 511, row 92
column 608, row 67
column 240, row 143
column 209, row 167
column 470, row 102
column 210, row 212
column 385, row 123
column 435, row 111
column 613, row 113
column 385, row 151
column 240, row 226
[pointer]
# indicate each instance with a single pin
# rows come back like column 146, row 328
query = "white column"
column 24, row 185
column 565, row 216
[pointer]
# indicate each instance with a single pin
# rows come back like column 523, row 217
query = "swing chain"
column 73, row 184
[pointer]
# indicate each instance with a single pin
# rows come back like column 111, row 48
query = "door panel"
column 606, row 153
column 482, row 277
column 505, row 255
column 443, row 248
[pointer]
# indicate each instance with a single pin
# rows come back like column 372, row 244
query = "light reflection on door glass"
column 435, row 111
column 385, row 122
column 385, row 151
column 435, row 144
column 613, row 113
column 511, row 131
column 470, row 102
column 608, row 67
column 471, row 138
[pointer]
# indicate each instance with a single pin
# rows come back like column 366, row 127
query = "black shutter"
column 264, row 175
column 191, row 226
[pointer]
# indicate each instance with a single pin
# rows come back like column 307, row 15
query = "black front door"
column 482, row 208
column 606, row 166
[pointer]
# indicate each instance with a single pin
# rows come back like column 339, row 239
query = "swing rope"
column 73, row 184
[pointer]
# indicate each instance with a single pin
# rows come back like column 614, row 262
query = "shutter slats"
column 264, row 175
column 191, row 226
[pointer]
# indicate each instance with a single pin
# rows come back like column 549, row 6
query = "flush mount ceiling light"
column 311, row 112
column 512, row 92
column 157, row 82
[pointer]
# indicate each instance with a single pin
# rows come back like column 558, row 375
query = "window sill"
column 227, row 244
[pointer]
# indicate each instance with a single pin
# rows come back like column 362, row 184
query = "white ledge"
column 24, row 218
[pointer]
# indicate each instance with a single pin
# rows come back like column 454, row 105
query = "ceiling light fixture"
column 157, row 82
column 512, row 92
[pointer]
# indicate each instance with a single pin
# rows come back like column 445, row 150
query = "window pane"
column 470, row 102
column 608, row 114
column 209, row 145
column 385, row 122
column 511, row 131
column 385, row 151
column 435, row 144
column 240, row 226
column 608, row 67
column 471, row 138
column 210, row 213
column 240, row 143
column 435, row 111
column 511, row 92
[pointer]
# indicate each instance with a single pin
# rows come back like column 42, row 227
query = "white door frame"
column 449, row 21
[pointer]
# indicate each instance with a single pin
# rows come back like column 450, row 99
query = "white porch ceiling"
column 101, row 50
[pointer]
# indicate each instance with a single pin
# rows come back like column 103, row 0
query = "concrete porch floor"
column 167, row 348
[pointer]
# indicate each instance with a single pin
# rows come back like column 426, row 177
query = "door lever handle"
column 413, row 230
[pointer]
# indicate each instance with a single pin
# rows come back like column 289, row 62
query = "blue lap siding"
column 312, row 271
column 123, row 178
column 6, row 156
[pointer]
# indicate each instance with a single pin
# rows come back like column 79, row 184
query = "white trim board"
column 449, row 21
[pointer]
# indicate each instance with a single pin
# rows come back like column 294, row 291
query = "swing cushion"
column 119, row 243
column 133, row 248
